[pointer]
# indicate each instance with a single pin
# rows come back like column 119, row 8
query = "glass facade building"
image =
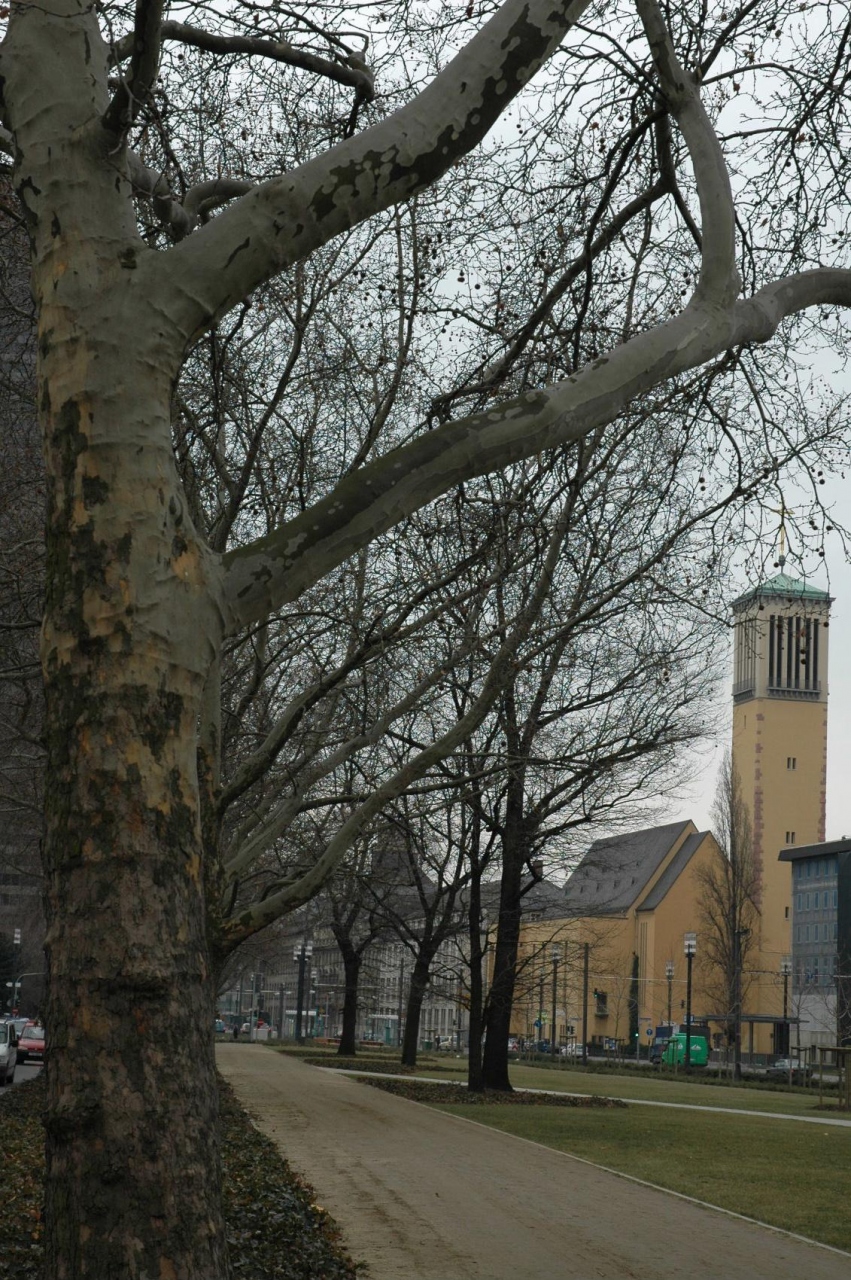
column 821, row 934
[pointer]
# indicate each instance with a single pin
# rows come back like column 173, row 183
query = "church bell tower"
column 780, row 744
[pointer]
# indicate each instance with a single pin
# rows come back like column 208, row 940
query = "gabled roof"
column 675, row 867
column 615, row 872
column 543, row 898
column 782, row 585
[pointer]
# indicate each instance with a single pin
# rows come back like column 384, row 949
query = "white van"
column 8, row 1051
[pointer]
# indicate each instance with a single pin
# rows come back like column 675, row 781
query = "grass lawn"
column 641, row 1085
column 656, row 1089
column 652, row 1088
column 793, row 1176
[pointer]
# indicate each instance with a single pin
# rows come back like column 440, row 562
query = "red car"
column 31, row 1044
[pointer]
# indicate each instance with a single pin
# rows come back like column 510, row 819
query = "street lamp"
column 256, row 994
column 669, row 974
column 555, row 954
column 740, row 937
column 16, row 988
column 301, row 954
column 689, row 947
column 785, row 970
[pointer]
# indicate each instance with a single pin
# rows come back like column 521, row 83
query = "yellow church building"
column 627, row 907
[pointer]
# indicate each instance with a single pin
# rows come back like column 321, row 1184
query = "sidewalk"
column 426, row 1196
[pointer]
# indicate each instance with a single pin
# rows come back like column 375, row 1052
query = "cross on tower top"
column 782, row 511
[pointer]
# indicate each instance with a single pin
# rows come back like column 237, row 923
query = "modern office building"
column 821, row 940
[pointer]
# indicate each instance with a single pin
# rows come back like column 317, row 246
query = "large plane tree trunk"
column 132, row 626
column 131, row 1090
column 131, row 1113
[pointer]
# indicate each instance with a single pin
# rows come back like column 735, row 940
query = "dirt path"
column 426, row 1196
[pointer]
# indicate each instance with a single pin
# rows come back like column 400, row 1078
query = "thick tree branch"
column 719, row 280
column 266, row 574
column 286, row 219
column 135, row 86
column 200, row 200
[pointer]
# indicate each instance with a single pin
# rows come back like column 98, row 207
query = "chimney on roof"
column 537, row 869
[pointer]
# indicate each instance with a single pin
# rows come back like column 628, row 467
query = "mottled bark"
column 130, row 627
column 132, row 624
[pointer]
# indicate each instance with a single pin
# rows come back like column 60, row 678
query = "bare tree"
column 356, row 899
column 728, row 904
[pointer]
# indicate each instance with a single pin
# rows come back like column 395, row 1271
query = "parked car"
column 783, row 1068
column 220, row 1027
column 31, row 1044
column 8, row 1051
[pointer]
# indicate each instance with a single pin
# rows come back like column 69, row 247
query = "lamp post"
column 669, row 974
column 16, row 987
column 256, row 994
column 689, row 947
column 301, row 954
column 585, row 955
column 739, row 938
column 313, row 1003
column 540, row 1014
column 785, row 970
column 555, row 953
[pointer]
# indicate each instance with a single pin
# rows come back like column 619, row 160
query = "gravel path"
column 426, row 1196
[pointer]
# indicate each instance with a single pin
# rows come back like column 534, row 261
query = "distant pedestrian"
column 236, row 1031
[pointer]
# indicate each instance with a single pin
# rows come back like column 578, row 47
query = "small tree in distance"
column 728, row 903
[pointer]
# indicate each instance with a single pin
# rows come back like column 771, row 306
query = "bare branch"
column 296, row 894
column 135, row 86
column 719, row 279
column 348, row 69
column 284, row 220
column 276, row 569
column 200, row 200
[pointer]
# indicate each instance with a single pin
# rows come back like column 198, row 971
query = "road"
column 427, row 1196
column 25, row 1071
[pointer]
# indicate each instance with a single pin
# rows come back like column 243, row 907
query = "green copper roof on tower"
column 783, row 585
